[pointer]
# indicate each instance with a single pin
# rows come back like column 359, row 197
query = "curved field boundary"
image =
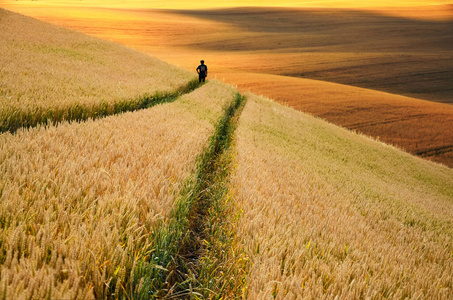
column 50, row 74
column 25, row 119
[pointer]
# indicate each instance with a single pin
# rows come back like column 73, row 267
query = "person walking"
column 202, row 71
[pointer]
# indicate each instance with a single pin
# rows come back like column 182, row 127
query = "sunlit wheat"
column 328, row 213
column 51, row 73
column 78, row 201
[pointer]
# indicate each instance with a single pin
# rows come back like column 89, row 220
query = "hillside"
column 253, row 47
column 420, row 127
column 329, row 213
column 396, row 50
column 52, row 74
column 213, row 194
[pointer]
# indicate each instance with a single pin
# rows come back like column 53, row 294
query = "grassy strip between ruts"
column 193, row 254
column 78, row 112
column 222, row 268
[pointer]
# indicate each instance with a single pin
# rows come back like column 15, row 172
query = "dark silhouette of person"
column 202, row 71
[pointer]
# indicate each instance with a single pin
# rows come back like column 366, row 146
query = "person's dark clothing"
column 202, row 71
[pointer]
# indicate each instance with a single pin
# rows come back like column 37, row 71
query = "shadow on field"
column 337, row 29
column 361, row 48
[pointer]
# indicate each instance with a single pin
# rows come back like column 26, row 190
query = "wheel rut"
column 190, row 251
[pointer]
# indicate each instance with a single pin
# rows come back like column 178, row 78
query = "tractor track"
column 176, row 266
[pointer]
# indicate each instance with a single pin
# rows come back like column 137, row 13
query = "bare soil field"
column 404, row 51
column 360, row 48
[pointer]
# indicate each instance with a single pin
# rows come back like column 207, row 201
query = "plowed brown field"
column 404, row 51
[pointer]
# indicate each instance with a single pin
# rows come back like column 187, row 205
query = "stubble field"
column 404, row 51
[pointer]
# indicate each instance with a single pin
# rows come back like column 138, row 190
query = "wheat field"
column 307, row 210
column 250, row 46
column 48, row 72
column 79, row 201
column 329, row 214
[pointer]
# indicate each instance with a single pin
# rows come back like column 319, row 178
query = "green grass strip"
column 17, row 119
column 190, row 255
column 221, row 268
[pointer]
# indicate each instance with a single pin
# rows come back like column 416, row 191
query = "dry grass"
column 79, row 201
column 328, row 213
column 49, row 71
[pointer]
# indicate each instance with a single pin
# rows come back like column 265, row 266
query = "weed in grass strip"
column 193, row 253
column 220, row 268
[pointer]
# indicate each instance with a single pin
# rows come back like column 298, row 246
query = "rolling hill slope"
column 405, row 51
column 128, row 205
column 329, row 213
column 53, row 74
column 417, row 126
column 402, row 50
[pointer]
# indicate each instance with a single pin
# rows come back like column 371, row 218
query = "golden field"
column 216, row 197
column 56, row 74
column 330, row 214
column 410, row 53
column 79, row 201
